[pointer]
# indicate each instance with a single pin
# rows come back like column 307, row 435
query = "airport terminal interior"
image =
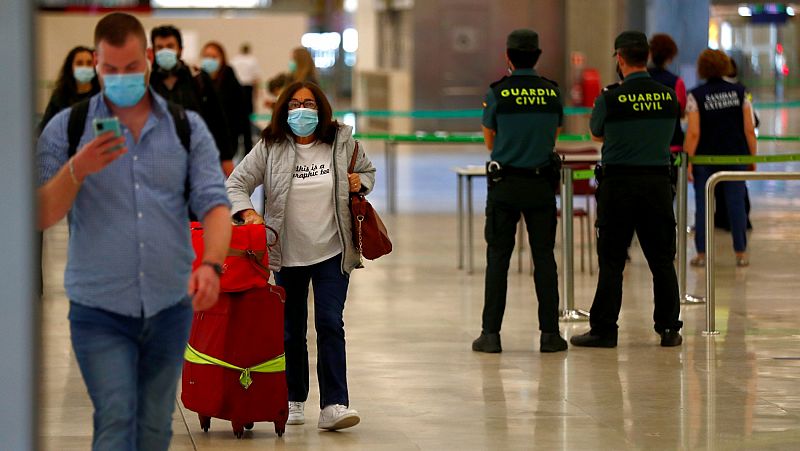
column 410, row 76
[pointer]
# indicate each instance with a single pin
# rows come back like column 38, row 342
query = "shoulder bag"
column 369, row 234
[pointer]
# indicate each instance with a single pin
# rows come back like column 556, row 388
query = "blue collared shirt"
column 130, row 248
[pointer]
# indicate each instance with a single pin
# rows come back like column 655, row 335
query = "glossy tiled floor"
column 411, row 316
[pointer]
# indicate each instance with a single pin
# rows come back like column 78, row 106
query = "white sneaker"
column 337, row 416
column 296, row 415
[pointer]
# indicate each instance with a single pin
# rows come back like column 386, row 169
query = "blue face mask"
column 303, row 121
column 166, row 59
column 209, row 65
column 292, row 66
column 124, row 90
column 83, row 74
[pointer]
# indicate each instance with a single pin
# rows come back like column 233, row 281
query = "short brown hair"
column 278, row 128
column 713, row 64
column 115, row 29
column 662, row 49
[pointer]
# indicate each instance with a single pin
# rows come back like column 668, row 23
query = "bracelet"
column 72, row 172
column 218, row 269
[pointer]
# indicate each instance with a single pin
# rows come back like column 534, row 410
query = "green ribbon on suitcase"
column 275, row 365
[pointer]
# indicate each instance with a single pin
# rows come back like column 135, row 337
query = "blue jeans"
column 131, row 368
column 330, row 292
column 734, row 192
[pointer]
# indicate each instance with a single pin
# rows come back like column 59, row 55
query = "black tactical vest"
column 721, row 118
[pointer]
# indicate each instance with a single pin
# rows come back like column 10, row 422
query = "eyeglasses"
column 308, row 103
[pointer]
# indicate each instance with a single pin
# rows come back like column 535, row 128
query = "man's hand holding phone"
column 98, row 153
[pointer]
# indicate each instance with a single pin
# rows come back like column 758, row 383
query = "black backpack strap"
column 182, row 126
column 77, row 122
column 184, row 131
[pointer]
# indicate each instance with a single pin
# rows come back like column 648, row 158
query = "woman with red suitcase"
column 302, row 161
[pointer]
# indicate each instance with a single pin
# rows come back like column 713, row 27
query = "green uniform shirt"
column 636, row 120
column 525, row 110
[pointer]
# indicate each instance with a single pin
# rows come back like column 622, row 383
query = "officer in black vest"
column 635, row 122
column 720, row 123
column 522, row 115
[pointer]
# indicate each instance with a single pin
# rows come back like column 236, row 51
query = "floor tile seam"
column 605, row 425
column 179, row 405
column 792, row 413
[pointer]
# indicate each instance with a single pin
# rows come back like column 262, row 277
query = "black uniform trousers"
column 533, row 198
column 640, row 203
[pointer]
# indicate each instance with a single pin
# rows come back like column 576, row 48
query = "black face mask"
column 619, row 73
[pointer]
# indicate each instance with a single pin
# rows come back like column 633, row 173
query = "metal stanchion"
column 710, row 271
column 682, row 194
column 569, row 313
column 469, row 225
column 726, row 176
column 460, row 221
column 390, row 153
column 520, row 245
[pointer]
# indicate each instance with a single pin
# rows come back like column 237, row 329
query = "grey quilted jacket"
column 273, row 166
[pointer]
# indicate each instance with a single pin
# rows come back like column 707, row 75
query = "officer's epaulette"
column 551, row 81
column 612, row 86
column 498, row 82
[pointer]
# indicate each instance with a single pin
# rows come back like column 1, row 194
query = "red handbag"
column 369, row 233
column 247, row 264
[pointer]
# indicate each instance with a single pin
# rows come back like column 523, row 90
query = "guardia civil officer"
column 635, row 121
column 522, row 116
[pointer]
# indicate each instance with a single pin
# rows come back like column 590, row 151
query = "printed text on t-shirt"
column 302, row 171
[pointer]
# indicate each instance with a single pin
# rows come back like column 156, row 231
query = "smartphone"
column 107, row 124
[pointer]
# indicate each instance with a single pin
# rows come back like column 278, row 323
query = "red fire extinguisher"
column 589, row 86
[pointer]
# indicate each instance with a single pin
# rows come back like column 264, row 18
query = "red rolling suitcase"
column 234, row 366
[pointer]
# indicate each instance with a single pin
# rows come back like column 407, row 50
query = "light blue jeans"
column 131, row 368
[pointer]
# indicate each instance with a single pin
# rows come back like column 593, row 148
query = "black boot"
column 595, row 340
column 552, row 342
column 671, row 337
column 487, row 343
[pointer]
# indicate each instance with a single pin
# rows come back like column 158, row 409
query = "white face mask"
column 83, row 74
column 167, row 59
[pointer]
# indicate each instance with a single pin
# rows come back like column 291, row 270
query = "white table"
column 468, row 173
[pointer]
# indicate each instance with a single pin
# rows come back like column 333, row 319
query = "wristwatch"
column 216, row 266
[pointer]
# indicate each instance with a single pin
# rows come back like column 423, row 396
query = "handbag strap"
column 254, row 257
column 353, row 159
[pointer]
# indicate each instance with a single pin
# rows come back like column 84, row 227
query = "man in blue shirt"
column 129, row 270
column 522, row 115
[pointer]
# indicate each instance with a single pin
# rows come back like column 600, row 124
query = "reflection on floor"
column 412, row 315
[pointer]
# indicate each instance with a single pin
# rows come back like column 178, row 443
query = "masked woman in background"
column 76, row 82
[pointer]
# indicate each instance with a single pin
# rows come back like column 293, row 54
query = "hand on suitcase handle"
column 251, row 217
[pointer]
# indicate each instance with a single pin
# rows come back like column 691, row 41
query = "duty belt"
column 527, row 172
column 609, row 170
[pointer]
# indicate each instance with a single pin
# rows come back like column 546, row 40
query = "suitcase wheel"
column 249, row 426
column 238, row 429
column 205, row 422
column 280, row 430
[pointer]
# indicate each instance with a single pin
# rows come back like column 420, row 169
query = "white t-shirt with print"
column 310, row 232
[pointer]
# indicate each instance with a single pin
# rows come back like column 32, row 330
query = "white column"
column 687, row 22
column 19, row 318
